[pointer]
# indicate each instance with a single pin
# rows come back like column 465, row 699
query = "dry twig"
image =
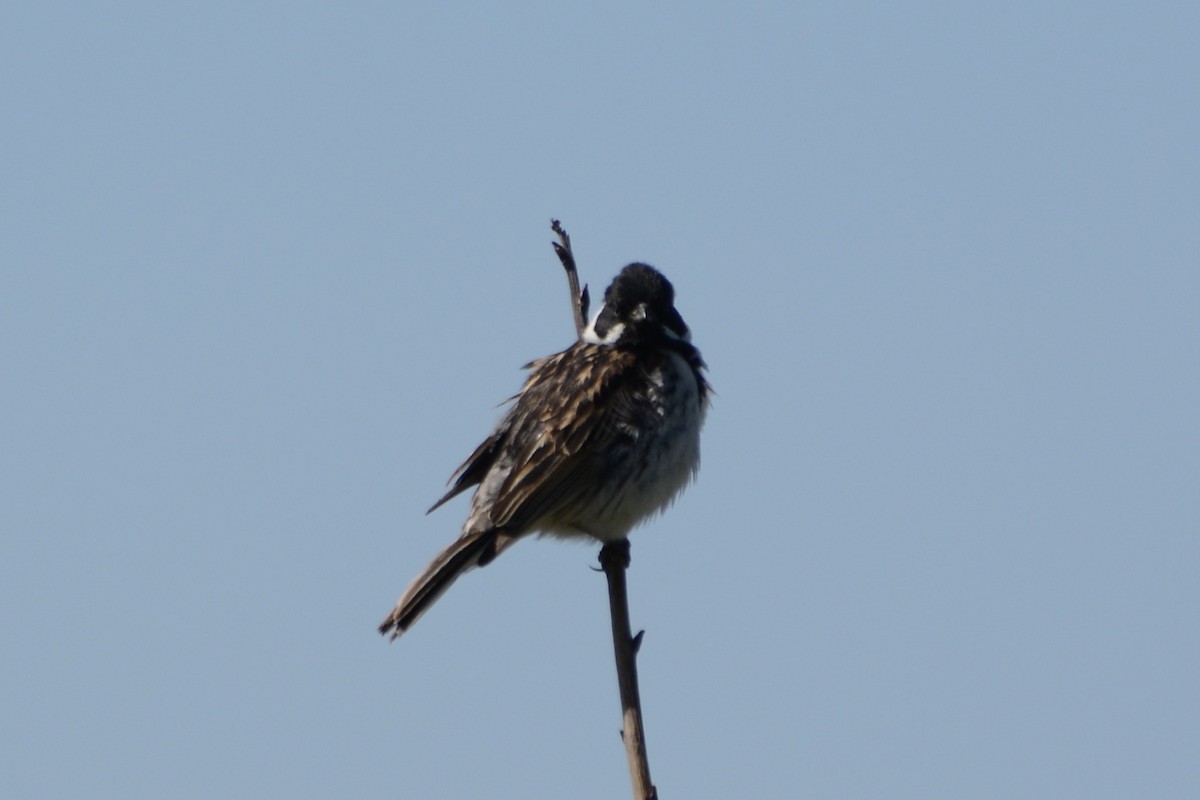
column 614, row 560
column 579, row 297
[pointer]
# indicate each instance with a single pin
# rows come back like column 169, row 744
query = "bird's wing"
column 477, row 464
column 572, row 408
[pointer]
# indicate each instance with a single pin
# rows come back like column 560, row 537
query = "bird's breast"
column 658, row 456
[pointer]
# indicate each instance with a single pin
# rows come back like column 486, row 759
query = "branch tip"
column 579, row 302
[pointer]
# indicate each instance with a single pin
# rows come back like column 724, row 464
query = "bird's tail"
column 472, row 549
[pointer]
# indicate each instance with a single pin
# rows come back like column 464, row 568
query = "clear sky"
column 266, row 271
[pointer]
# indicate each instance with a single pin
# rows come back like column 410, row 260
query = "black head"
column 639, row 308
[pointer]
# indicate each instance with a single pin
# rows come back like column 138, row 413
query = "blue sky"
column 267, row 269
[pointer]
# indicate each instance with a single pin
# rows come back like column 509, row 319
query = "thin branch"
column 614, row 559
column 579, row 297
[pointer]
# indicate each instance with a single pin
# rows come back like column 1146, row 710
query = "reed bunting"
column 602, row 436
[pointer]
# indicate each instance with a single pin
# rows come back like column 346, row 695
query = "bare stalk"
column 579, row 297
column 614, row 560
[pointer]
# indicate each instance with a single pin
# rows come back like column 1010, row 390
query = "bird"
column 602, row 436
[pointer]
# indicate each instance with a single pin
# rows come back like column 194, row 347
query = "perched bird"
column 600, row 437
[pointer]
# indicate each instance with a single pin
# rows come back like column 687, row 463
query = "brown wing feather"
column 476, row 466
column 565, row 412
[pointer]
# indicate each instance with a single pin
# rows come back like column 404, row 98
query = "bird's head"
column 638, row 308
